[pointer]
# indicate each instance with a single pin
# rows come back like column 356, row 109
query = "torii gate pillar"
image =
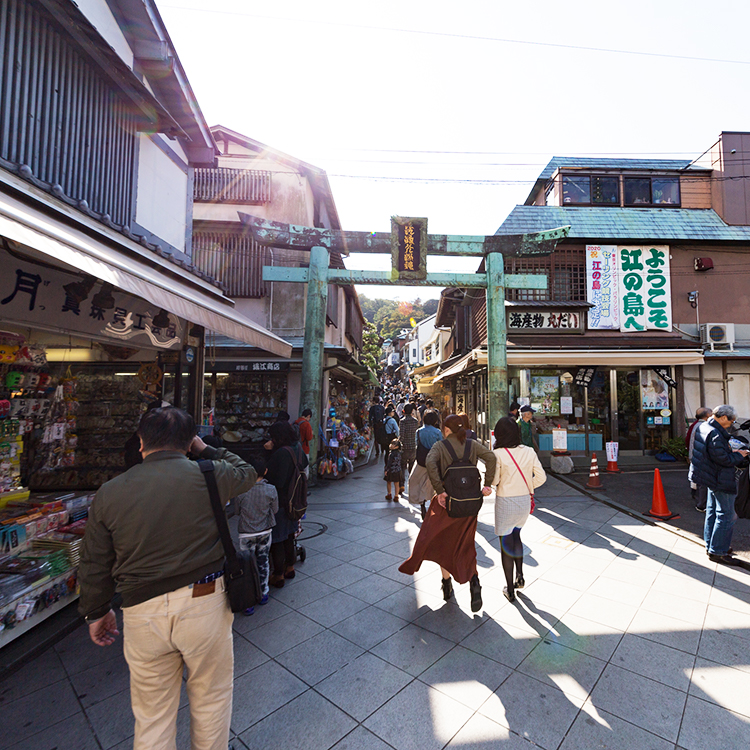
column 497, row 336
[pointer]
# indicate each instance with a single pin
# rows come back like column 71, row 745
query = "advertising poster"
column 602, row 287
column 545, row 394
column 645, row 291
column 654, row 391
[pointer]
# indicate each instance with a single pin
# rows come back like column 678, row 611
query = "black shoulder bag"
column 240, row 569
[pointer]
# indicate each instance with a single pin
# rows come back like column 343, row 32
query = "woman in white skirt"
column 519, row 472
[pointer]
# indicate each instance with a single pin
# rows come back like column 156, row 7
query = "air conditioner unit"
column 714, row 334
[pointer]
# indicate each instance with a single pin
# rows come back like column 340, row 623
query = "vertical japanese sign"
column 645, row 289
column 602, row 286
column 408, row 248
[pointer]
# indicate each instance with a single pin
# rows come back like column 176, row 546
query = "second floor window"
column 590, row 190
column 652, row 191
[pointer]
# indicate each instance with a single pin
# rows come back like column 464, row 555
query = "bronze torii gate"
column 409, row 245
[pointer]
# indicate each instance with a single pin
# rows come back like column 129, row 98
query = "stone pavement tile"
column 341, row 575
column 418, row 718
column 571, row 577
column 597, row 512
column 723, row 647
column 694, row 571
column 642, row 562
column 502, row 643
column 35, row 712
column 112, row 719
column 679, row 607
column 324, row 542
column 655, row 660
column 727, row 687
column 400, row 547
column 333, row 608
column 361, row 739
column 655, row 707
column 451, row 622
column 648, row 548
column 543, row 592
column 409, row 603
column 387, row 524
column 246, row 656
column 283, row 633
column 340, row 529
column 532, row 709
column 316, row 564
column 573, row 532
column 605, row 611
column 718, row 618
column 374, row 588
column 263, row 615
column 296, row 594
column 383, row 541
column 323, row 515
column 101, row 681
column 309, row 721
column 595, row 729
column 260, row 692
column 39, row 673
column 737, row 600
column 72, row 733
column 466, row 676
column 376, row 561
column 586, row 636
column 527, row 614
column 619, row 591
column 77, row 652
column 731, row 579
column 571, row 671
column 413, row 649
column 393, row 572
column 682, row 585
column 352, row 533
column 351, row 552
column 369, row 627
column 313, row 660
column 481, row 733
column 664, row 629
column 629, row 572
column 363, row 685
column 706, row 726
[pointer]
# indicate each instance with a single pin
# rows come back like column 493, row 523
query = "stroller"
column 742, row 502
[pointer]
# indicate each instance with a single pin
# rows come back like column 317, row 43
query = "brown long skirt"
column 447, row 541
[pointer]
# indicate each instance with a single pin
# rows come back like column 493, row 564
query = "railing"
column 235, row 259
column 60, row 117
column 224, row 185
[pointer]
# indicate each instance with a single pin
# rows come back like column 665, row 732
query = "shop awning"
column 196, row 302
column 425, row 368
column 611, row 357
column 457, row 368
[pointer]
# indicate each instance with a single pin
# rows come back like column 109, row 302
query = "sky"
column 448, row 111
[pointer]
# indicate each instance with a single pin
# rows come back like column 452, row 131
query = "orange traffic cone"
column 659, row 507
column 594, row 483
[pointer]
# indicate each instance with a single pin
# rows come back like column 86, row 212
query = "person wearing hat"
column 528, row 430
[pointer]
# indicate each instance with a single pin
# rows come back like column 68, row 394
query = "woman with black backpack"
column 447, row 534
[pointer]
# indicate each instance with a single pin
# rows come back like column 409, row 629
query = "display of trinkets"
column 247, row 405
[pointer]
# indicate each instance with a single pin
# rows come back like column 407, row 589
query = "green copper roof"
column 580, row 162
column 648, row 224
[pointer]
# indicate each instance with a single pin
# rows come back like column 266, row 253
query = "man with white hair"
column 713, row 464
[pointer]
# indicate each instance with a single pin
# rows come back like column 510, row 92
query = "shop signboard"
column 44, row 297
column 461, row 402
column 645, row 289
column 584, row 376
column 559, row 440
column 252, row 366
column 549, row 321
column 654, row 392
column 663, row 373
column 602, row 287
column 409, row 247
column 545, row 394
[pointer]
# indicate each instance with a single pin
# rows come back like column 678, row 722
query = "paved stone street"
column 625, row 636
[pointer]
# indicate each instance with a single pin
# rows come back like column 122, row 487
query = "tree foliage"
column 391, row 316
column 371, row 347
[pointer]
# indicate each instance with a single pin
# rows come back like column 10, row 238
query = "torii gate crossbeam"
column 318, row 276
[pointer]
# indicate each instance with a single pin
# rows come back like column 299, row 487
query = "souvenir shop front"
column 80, row 360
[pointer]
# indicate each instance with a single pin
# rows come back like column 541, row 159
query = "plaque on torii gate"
column 401, row 244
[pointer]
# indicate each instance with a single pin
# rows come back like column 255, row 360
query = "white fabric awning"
column 195, row 301
column 456, row 368
column 590, row 357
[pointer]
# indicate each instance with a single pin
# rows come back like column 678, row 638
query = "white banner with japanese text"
column 602, row 287
column 645, row 289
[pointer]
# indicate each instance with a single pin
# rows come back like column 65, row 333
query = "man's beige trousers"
column 163, row 634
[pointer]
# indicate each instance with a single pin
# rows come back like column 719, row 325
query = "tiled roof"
column 578, row 162
column 648, row 224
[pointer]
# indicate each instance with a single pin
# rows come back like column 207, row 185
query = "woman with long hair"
column 443, row 539
column 519, row 472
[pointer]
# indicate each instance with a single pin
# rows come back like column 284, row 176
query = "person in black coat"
column 281, row 473
column 713, row 466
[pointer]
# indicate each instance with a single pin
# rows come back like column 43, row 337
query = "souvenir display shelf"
column 40, row 541
column 247, row 404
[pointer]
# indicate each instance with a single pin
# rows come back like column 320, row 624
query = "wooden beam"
column 463, row 280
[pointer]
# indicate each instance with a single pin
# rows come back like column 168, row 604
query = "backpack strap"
column 467, row 450
column 295, row 457
column 450, row 450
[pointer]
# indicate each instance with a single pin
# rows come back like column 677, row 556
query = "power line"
column 468, row 37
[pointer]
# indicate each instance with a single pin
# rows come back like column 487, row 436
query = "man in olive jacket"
column 152, row 537
column 713, row 465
